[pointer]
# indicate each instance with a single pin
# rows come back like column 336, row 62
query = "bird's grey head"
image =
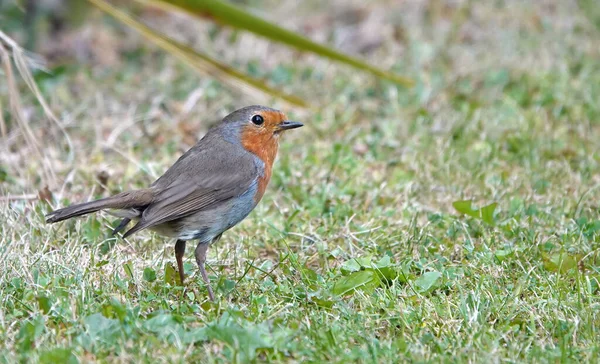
column 256, row 120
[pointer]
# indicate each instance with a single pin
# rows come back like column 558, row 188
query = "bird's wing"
column 197, row 182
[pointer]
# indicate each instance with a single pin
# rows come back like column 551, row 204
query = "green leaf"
column 169, row 327
column 58, row 355
column 44, row 303
column 464, row 207
column 102, row 263
column 427, row 282
column 245, row 339
column 149, row 275
column 170, row 275
column 227, row 13
column 503, row 254
column 161, row 323
column 561, row 262
column 383, row 268
column 128, row 267
column 310, row 275
column 367, row 280
column 322, row 302
column 114, row 308
column 350, row 266
column 101, row 328
column 386, row 269
column 92, row 230
column 29, row 332
column 195, row 335
column 485, row 214
column 517, row 205
column 384, row 262
column 199, row 61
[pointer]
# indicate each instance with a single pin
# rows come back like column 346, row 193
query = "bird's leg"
column 179, row 250
column 200, row 259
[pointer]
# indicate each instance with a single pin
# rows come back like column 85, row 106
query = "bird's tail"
column 125, row 200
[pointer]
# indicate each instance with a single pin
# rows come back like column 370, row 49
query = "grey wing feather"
column 185, row 195
column 182, row 201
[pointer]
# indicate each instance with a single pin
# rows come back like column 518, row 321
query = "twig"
column 19, row 198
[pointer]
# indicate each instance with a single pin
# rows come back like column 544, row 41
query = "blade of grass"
column 16, row 107
column 23, row 63
column 229, row 14
column 199, row 61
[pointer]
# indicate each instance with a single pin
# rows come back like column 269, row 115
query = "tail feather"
column 121, row 225
column 78, row 210
column 125, row 200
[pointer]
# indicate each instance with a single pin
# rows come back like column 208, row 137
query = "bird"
column 208, row 190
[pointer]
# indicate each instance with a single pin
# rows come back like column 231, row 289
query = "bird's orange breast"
column 264, row 146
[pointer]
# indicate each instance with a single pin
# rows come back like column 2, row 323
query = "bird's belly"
column 205, row 225
column 169, row 229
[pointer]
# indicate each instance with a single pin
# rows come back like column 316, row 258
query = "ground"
column 453, row 221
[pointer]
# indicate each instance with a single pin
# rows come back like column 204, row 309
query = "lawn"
column 454, row 221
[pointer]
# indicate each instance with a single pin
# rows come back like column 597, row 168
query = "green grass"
column 358, row 251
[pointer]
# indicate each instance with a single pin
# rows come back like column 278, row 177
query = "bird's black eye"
column 258, row 120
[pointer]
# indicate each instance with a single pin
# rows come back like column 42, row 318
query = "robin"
column 211, row 187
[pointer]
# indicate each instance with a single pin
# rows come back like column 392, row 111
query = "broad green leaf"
column 30, row 331
column 384, row 262
column 199, row 61
column 517, row 205
column 102, row 263
column 149, row 275
column 427, row 282
column 195, row 335
column 100, row 329
column 166, row 326
column 356, row 264
column 465, row 207
column 322, row 302
column 44, row 303
column 560, row 262
column 503, row 254
column 364, row 261
column 367, row 280
column 227, row 13
column 350, row 266
column 244, row 338
column 387, row 273
column 485, row 214
column 170, row 275
column 386, row 269
column 161, row 323
column 404, row 272
column 58, row 355
column 92, row 230
column 383, row 267
column 114, row 308
column 310, row 275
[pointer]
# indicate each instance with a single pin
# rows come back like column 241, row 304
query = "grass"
column 362, row 249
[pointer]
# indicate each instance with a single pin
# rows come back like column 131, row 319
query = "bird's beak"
column 286, row 125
